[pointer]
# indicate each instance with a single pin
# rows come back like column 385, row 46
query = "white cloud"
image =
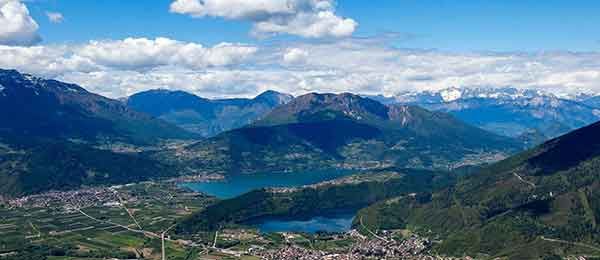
column 122, row 67
column 17, row 27
column 49, row 61
column 305, row 18
column 142, row 53
column 138, row 54
column 295, row 56
column 55, row 17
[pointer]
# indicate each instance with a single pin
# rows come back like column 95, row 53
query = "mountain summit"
column 346, row 131
column 38, row 107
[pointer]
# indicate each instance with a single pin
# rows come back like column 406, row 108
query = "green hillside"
column 33, row 165
column 540, row 203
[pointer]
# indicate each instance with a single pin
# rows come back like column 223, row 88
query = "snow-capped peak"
column 451, row 94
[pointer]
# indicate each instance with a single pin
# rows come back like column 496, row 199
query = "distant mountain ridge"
column 590, row 100
column 37, row 107
column 206, row 117
column 346, row 131
column 507, row 111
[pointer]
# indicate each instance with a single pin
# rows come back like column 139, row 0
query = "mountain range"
column 345, row 131
column 36, row 107
column 72, row 137
column 530, row 115
column 203, row 116
column 65, row 136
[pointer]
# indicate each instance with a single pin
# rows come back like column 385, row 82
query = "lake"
column 339, row 222
column 239, row 184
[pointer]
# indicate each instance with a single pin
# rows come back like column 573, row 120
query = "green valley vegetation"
column 542, row 203
column 351, row 192
column 122, row 222
column 34, row 165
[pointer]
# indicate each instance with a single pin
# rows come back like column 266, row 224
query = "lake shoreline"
column 234, row 185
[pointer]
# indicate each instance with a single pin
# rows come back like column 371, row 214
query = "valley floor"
column 133, row 222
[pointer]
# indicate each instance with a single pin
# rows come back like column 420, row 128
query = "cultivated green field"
column 56, row 233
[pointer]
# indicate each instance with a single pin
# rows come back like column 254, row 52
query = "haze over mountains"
column 527, row 114
column 204, row 116
column 531, row 116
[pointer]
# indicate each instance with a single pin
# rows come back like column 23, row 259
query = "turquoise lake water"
column 332, row 223
column 242, row 183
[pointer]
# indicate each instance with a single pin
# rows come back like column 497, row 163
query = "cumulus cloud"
column 295, row 56
column 142, row 53
column 118, row 68
column 48, row 61
column 305, row 18
column 129, row 54
column 55, row 17
column 17, row 27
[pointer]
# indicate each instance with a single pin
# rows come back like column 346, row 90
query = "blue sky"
column 239, row 48
column 508, row 25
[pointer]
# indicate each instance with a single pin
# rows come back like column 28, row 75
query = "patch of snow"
column 449, row 95
column 31, row 78
column 500, row 94
column 596, row 112
column 2, row 88
column 35, row 81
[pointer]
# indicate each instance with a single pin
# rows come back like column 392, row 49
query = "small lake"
column 341, row 222
column 241, row 183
